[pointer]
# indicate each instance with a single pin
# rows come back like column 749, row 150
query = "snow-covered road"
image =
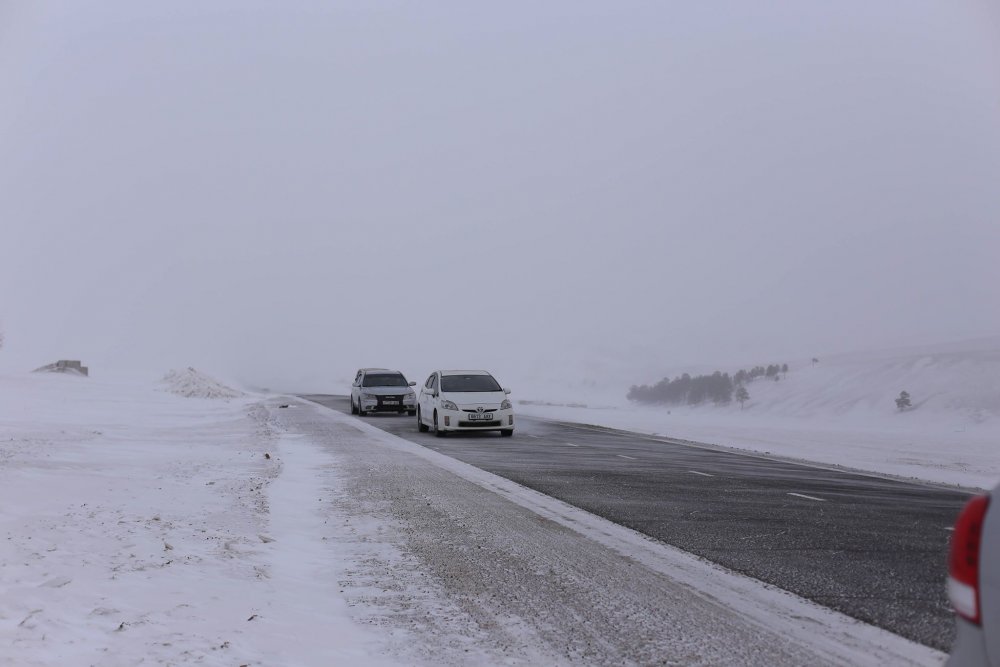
column 471, row 563
column 138, row 527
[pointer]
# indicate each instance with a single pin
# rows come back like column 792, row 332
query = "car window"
column 469, row 383
column 384, row 380
column 430, row 382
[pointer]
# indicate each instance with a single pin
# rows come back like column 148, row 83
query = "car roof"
column 464, row 372
column 365, row 370
column 382, row 371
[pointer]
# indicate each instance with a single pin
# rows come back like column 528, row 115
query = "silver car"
column 974, row 583
column 382, row 390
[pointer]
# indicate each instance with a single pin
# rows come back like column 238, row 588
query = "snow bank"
column 191, row 383
column 140, row 527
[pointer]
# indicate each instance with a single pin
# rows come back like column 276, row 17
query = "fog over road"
column 870, row 547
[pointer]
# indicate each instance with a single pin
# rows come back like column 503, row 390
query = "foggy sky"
column 283, row 192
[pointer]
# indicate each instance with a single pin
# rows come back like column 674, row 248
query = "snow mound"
column 191, row 383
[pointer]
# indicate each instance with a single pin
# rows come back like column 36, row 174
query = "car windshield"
column 384, row 380
column 469, row 383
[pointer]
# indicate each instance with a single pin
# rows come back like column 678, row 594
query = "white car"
column 382, row 390
column 464, row 401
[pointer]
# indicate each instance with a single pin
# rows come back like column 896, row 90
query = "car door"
column 425, row 398
column 432, row 402
column 356, row 390
column 435, row 392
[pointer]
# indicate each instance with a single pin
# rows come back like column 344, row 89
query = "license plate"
column 480, row 416
column 390, row 402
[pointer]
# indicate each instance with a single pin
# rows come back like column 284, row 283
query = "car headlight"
column 369, row 397
column 506, row 405
column 448, row 405
column 410, row 398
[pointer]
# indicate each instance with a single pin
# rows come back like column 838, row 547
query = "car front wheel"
column 421, row 426
column 437, row 431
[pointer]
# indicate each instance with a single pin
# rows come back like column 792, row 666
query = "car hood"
column 386, row 391
column 473, row 399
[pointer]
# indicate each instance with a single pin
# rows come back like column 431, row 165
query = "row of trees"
column 770, row 371
column 718, row 387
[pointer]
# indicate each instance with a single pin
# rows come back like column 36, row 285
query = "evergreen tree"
column 903, row 401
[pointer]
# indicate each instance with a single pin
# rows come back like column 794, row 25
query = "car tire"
column 507, row 432
column 421, row 426
column 437, row 431
column 354, row 408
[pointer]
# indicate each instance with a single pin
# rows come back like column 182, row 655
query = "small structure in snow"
column 71, row 366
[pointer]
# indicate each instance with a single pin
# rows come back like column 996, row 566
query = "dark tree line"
column 717, row 387
column 693, row 390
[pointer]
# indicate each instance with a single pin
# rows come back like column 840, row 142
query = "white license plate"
column 480, row 416
column 390, row 402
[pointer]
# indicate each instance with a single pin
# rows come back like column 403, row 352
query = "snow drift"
column 191, row 383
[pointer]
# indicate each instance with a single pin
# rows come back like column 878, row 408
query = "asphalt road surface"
column 870, row 547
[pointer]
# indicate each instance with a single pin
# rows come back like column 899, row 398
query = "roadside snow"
column 191, row 383
column 138, row 527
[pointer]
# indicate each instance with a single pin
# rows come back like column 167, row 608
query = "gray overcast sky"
column 283, row 192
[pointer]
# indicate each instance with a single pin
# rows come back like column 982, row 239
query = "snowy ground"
column 138, row 526
column 840, row 411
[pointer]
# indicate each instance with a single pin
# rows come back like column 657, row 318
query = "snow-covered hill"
column 841, row 410
column 958, row 382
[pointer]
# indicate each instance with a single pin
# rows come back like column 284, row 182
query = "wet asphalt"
column 870, row 547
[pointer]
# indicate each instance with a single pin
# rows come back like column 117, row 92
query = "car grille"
column 477, row 409
column 493, row 424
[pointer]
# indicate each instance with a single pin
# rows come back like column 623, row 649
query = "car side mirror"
column 413, row 384
column 506, row 390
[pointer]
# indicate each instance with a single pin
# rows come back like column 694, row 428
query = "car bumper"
column 969, row 648
column 460, row 420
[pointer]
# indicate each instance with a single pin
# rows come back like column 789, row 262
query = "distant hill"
column 842, row 411
column 949, row 378
column 959, row 380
